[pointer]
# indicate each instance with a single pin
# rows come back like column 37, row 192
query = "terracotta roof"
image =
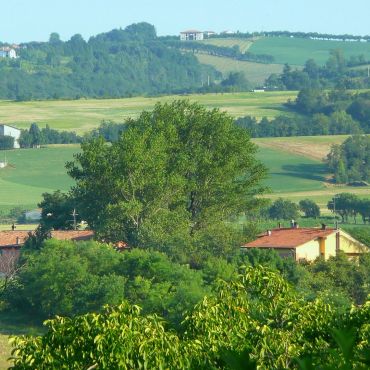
column 288, row 238
column 9, row 238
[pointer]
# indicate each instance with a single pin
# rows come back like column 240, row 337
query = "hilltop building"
column 6, row 130
column 191, row 35
column 307, row 244
column 8, row 52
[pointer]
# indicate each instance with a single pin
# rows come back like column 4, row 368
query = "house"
column 306, row 244
column 6, row 130
column 7, row 52
column 209, row 33
column 12, row 241
column 191, row 35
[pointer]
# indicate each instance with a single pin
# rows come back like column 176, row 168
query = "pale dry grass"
column 315, row 147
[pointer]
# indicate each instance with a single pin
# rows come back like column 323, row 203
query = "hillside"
column 85, row 114
column 256, row 73
column 128, row 62
column 296, row 51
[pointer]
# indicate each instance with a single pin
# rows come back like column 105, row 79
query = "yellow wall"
column 350, row 245
column 308, row 251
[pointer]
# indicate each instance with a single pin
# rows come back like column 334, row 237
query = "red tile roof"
column 288, row 238
column 9, row 238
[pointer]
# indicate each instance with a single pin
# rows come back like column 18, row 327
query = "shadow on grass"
column 307, row 171
column 16, row 323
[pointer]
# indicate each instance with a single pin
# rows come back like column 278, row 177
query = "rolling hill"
column 85, row 114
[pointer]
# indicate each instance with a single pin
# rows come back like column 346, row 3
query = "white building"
column 7, row 52
column 209, row 33
column 6, row 130
column 191, row 35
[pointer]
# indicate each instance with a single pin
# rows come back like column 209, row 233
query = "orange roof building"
column 308, row 243
column 12, row 241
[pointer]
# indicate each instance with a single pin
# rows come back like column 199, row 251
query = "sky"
column 34, row 20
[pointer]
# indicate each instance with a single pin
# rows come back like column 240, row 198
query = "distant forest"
column 119, row 63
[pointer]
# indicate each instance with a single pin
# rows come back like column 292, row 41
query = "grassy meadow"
column 296, row 171
column 85, row 114
column 32, row 172
column 256, row 73
column 297, row 51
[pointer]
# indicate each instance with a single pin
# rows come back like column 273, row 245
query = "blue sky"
column 34, row 20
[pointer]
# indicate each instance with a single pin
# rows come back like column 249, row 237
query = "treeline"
column 321, row 112
column 337, row 123
column 221, row 51
column 348, row 205
column 302, row 35
column 119, row 63
column 350, row 162
column 335, row 73
column 34, row 137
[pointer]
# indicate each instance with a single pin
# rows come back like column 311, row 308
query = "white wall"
column 11, row 131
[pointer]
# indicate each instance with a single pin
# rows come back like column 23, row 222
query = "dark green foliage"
column 351, row 160
column 257, row 319
column 57, row 211
column 283, row 210
column 171, row 181
column 335, row 73
column 6, row 142
column 236, row 81
column 119, row 63
column 34, row 137
column 66, row 278
column 309, row 208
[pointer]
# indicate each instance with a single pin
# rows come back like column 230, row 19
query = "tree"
column 57, row 209
column 68, row 278
column 310, row 208
column 177, row 172
column 283, row 210
column 6, row 142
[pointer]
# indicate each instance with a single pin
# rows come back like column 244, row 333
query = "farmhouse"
column 306, row 244
column 6, row 130
column 7, row 52
column 191, row 35
column 12, row 241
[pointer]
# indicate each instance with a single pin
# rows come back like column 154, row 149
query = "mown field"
column 256, row 73
column 297, row 50
column 84, row 115
column 32, row 172
column 295, row 169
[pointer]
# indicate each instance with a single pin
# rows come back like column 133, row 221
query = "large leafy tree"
column 178, row 172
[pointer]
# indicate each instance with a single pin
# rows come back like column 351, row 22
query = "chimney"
column 17, row 240
column 279, row 225
column 292, row 223
column 269, row 233
column 323, row 227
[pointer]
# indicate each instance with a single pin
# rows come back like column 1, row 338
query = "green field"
column 84, row 115
column 298, row 50
column 292, row 173
column 256, row 73
column 32, row 172
column 244, row 44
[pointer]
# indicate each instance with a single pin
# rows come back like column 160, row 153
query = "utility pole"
column 74, row 214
